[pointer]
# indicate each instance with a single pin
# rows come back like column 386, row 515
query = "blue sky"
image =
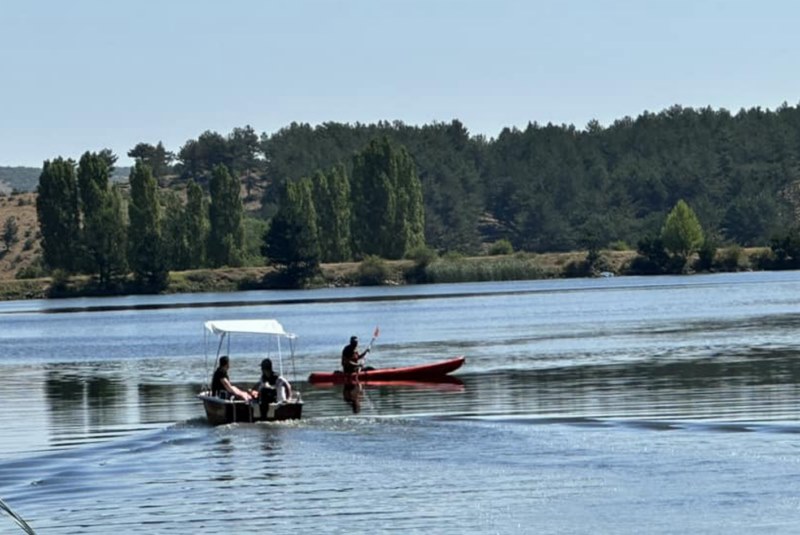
column 88, row 74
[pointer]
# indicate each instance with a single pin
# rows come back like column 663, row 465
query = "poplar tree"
column 58, row 214
column 103, row 230
column 174, row 232
column 339, row 235
column 332, row 202
column 146, row 255
column 113, row 263
column 387, row 211
column 324, row 213
column 226, row 234
column 196, row 224
column 292, row 241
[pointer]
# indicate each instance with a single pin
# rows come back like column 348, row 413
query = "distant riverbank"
column 373, row 272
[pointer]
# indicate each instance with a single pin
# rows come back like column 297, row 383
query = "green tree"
column 174, row 231
column 103, row 231
column 196, row 225
column 292, row 241
column 108, row 156
column 199, row 157
column 58, row 214
column 388, row 215
column 324, row 211
column 157, row 157
column 338, row 226
column 146, row 242
column 113, row 264
column 332, row 203
column 92, row 186
column 786, row 249
column 243, row 148
column 682, row 233
column 226, row 235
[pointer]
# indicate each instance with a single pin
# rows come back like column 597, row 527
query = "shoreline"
column 518, row 266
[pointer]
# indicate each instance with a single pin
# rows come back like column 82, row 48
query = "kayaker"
column 272, row 385
column 221, row 385
column 351, row 356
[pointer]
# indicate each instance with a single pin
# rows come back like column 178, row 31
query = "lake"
column 616, row 405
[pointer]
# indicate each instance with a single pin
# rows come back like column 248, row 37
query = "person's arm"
column 284, row 389
column 235, row 391
column 288, row 388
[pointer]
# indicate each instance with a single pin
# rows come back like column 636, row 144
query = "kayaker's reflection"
column 352, row 393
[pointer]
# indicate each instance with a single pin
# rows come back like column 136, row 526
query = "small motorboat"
column 422, row 372
column 226, row 410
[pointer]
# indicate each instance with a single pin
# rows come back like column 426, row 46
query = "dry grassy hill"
column 21, row 207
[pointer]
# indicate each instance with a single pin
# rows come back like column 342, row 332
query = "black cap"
column 353, row 339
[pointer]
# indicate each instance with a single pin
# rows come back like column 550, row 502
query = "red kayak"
column 420, row 372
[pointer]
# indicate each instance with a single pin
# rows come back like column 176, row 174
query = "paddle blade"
column 377, row 332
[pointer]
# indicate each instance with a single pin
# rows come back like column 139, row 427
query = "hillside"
column 25, row 179
column 18, row 179
column 22, row 207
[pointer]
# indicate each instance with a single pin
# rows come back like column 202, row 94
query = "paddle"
column 375, row 335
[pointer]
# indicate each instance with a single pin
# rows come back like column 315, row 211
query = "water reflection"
column 81, row 405
column 160, row 402
column 757, row 384
column 352, row 394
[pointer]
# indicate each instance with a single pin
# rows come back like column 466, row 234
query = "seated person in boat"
column 351, row 356
column 221, row 385
column 272, row 387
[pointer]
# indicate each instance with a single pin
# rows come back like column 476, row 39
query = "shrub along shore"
column 375, row 272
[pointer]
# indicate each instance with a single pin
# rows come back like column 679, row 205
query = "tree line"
column 553, row 187
column 337, row 192
column 89, row 225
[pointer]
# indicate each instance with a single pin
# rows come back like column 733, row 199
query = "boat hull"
column 226, row 411
column 422, row 372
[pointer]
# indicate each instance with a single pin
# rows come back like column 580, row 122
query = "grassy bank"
column 519, row 266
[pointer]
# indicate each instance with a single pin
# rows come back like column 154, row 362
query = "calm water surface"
column 623, row 405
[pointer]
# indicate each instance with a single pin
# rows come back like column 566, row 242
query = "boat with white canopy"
column 222, row 408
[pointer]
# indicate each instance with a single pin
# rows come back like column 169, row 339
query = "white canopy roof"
column 247, row 327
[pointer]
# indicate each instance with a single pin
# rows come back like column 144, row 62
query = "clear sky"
column 79, row 75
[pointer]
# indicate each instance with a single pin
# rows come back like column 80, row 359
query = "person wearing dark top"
column 221, row 383
column 351, row 356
